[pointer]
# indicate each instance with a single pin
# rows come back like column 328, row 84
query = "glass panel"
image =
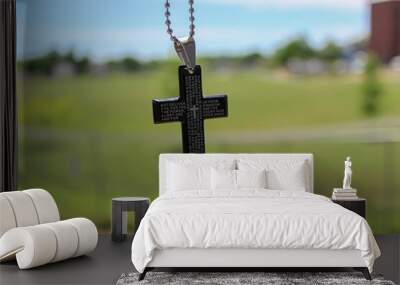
column 88, row 70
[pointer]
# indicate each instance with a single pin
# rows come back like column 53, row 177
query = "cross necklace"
column 190, row 108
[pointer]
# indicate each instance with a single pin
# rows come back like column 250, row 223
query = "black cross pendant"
column 191, row 109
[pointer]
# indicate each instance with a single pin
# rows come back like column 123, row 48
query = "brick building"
column 385, row 29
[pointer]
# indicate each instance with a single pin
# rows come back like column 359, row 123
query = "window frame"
column 8, row 100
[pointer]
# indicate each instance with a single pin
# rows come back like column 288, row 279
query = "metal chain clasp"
column 186, row 51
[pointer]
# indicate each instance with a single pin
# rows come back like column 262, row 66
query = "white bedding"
column 251, row 218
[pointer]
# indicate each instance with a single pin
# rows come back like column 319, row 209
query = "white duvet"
column 250, row 219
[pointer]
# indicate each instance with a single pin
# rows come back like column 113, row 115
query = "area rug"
column 244, row 278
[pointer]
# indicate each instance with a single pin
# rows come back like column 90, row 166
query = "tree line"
column 297, row 48
column 45, row 64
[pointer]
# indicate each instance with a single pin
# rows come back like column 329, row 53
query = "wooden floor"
column 110, row 260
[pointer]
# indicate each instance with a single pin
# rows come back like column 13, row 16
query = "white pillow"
column 292, row 179
column 223, row 179
column 251, row 178
column 281, row 174
column 188, row 177
column 193, row 174
column 237, row 179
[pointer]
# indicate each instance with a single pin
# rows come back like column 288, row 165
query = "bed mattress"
column 250, row 219
column 255, row 257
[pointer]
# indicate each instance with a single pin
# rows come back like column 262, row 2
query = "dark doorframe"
column 8, row 100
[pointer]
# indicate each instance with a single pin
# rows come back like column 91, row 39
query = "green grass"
column 257, row 101
column 88, row 139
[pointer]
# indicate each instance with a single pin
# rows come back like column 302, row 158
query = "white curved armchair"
column 31, row 230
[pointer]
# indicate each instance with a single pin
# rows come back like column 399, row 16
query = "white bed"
column 249, row 227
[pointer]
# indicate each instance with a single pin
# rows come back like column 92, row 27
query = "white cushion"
column 40, row 244
column 281, row 174
column 34, row 244
column 23, row 208
column 236, row 179
column 7, row 218
column 67, row 240
column 87, row 233
column 46, row 207
column 229, row 159
column 181, row 177
column 186, row 174
column 223, row 179
column 27, row 208
column 251, row 178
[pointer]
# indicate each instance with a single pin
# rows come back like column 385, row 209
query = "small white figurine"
column 347, row 173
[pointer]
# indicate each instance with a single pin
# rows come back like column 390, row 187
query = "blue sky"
column 105, row 29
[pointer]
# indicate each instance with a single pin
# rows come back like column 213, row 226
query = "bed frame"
column 246, row 259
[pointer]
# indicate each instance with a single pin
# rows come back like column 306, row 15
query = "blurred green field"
column 87, row 139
